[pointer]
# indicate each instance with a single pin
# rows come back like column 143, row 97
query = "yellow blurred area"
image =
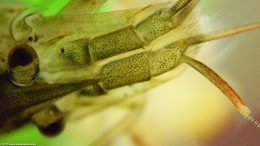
column 185, row 110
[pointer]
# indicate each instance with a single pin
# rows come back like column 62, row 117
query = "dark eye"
column 23, row 65
column 20, row 56
column 53, row 129
column 49, row 121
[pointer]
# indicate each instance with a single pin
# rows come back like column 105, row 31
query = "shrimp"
column 44, row 58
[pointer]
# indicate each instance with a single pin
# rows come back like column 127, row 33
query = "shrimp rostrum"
column 44, row 58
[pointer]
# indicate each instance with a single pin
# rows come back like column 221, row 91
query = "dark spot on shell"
column 30, row 38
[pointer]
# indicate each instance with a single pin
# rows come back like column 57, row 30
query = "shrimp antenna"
column 223, row 86
column 221, row 34
column 214, row 77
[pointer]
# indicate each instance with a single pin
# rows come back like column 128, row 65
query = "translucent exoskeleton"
column 44, row 58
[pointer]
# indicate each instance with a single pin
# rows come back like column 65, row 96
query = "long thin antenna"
column 223, row 86
column 221, row 34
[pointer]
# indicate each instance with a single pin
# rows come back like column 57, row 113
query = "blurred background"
column 189, row 110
